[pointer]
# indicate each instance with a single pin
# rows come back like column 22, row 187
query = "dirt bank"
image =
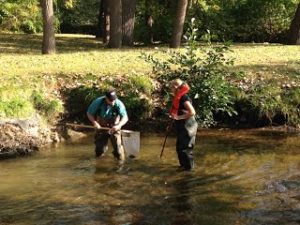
column 23, row 137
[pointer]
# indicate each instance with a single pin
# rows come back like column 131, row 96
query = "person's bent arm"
column 93, row 121
column 123, row 121
column 189, row 112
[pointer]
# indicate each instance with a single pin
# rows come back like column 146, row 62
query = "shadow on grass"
column 290, row 69
column 25, row 43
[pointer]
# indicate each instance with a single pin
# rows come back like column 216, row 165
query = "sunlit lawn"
column 20, row 56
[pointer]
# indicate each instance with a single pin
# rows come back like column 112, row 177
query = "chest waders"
column 101, row 137
column 186, row 135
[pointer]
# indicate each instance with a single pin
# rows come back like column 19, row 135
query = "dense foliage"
column 134, row 90
column 246, row 20
column 205, row 68
column 20, row 16
column 237, row 20
column 79, row 17
column 219, row 92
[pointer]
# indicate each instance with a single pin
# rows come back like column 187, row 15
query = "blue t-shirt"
column 100, row 108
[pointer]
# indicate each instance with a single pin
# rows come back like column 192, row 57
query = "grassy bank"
column 31, row 81
column 20, row 56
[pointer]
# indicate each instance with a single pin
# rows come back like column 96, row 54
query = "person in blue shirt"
column 108, row 111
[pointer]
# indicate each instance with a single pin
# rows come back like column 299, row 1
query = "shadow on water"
column 66, row 185
column 275, row 217
column 182, row 200
column 250, row 141
column 161, row 195
column 191, row 190
column 42, row 211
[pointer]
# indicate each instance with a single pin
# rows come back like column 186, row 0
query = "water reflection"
column 241, row 177
column 183, row 207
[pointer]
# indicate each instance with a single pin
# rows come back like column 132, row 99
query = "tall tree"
column 115, row 7
column 100, row 27
column 149, row 22
column 128, row 18
column 294, row 32
column 103, row 26
column 106, row 21
column 178, row 23
column 48, row 45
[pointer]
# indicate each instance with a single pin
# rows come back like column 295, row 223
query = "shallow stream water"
column 241, row 177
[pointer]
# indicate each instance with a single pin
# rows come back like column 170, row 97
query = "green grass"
column 268, row 60
column 80, row 57
column 21, row 57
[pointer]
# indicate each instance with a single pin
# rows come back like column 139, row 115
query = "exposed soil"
column 14, row 142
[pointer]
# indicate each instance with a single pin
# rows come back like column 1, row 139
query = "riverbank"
column 59, row 88
column 268, row 94
column 19, row 138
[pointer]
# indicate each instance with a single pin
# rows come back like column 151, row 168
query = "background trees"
column 245, row 20
column 20, row 16
column 48, row 46
column 128, row 19
column 178, row 23
column 148, row 21
column 115, row 40
column 80, row 16
column 294, row 32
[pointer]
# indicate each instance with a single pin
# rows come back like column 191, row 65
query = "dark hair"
column 111, row 94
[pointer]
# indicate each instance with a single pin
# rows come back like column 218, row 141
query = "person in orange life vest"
column 108, row 111
column 183, row 113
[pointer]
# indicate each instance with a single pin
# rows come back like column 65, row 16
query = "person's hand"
column 114, row 129
column 174, row 117
column 97, row 125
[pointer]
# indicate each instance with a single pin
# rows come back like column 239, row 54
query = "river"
column 241, row 177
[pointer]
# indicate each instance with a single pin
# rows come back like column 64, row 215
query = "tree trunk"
column 48, row 46
column 128, row 11
column 149, row 23
column 115, row 7
column 178, row 23
column 294, row 32
column 190, row 4
column 100, row 24
column 106, row 21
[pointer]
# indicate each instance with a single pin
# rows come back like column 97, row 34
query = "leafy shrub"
column 49, row 107
column 78, row 99
column 291, row 98
column 28, row 27
column 14, row 102
column 141, row 82
column 16, row 107
column 135, row 91
column 265, row 101
column 21, row 16
column 205, row 69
